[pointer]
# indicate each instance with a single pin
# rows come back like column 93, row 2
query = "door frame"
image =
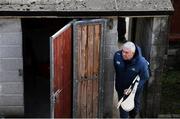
column 101, row 72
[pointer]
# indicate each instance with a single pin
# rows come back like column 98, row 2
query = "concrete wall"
column 11, row 81
column 158, row 57
column 151, row 35
column 86, row 5
column 111, row 46
column 143, row 35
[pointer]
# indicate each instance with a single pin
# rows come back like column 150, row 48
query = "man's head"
column 128, row 50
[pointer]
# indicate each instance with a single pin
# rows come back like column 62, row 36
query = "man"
column 129, row 63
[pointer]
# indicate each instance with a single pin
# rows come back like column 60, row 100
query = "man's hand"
column 127, row 91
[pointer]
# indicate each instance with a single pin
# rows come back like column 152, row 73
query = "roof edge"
column 85, row 13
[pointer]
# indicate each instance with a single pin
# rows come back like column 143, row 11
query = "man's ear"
column 134, row 53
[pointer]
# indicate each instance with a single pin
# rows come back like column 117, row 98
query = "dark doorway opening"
column 36, row 60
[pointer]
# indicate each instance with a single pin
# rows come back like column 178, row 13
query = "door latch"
column 56, row 94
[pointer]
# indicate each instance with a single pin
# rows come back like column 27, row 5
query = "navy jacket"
column 126, row 71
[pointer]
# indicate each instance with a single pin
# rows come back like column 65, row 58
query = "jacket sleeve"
column 144, row 75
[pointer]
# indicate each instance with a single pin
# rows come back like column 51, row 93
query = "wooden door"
column 88, row 68
column 61, row 72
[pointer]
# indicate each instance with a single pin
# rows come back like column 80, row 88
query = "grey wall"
column 143, row 35
column 11, row 83
column 158, row 54
column 111, row 45
column 151, row 35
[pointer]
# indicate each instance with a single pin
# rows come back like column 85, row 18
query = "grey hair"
column 129, row 45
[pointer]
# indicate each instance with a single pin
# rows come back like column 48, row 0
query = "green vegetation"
column 170, row 93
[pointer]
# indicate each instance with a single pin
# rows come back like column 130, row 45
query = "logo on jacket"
column 118, row 62
column 133, row 69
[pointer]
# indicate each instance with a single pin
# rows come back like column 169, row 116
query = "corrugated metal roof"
column 92, row 7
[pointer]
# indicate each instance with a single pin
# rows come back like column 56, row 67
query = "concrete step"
column 169, row 116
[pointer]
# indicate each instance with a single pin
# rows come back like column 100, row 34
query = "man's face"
column 127, row 54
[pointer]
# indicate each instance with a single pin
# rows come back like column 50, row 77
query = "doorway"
column 36, row 59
